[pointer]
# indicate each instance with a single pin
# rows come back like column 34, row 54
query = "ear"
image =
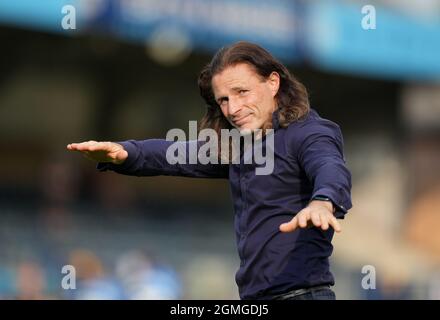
column 274, row 82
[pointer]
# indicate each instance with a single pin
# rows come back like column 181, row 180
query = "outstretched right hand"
column 100, row 151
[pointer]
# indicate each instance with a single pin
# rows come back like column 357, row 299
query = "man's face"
column 246, row 100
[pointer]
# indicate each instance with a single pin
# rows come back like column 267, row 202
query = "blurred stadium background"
column 129, row 70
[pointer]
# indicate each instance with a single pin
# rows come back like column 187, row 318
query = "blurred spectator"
column 389, row 288
column 144, row 279
column 31, row 282
column 209, row 276
column 114, row 194
column 59, row 183
column 91, row 281
column 423, row 220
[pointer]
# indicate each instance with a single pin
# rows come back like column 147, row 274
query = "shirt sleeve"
column 149, row 158
column 319, row 146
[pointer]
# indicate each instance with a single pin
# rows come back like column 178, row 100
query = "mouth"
column 240, row 121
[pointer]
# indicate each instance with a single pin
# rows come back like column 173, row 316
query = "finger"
column 316, row 219
column 85, row 146
column 72, row 146
column 289, row 226
column 335, row 224
column 108, row 145
column 94, row 145
column 303, row 217
column 101, row 146
column 75, row 146
column 324, row 222
column 78, row 146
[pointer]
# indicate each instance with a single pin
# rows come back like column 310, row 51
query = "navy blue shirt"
column 308, row 161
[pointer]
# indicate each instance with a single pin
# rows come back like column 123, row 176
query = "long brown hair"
column 292, row 98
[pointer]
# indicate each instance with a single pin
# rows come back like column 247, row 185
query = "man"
column 284, row 221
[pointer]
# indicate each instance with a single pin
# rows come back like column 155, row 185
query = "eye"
column 242, row 91
column 222, row 101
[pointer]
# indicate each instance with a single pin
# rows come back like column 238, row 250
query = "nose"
column 234, row 106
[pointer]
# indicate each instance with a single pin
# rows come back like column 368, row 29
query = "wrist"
column 324, row 201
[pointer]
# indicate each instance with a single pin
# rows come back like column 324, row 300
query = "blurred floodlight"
column 169, row 45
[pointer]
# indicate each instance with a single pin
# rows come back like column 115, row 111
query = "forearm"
column 149, row 158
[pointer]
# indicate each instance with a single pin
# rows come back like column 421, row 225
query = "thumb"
column 121, row 156
column 289, row 226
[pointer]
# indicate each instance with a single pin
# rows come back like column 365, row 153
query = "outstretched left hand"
column 318, row 213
